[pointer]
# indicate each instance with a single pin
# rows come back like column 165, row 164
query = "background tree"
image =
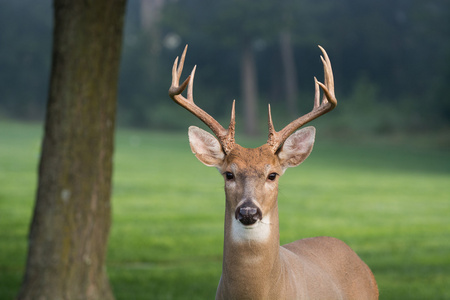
column 72, row 215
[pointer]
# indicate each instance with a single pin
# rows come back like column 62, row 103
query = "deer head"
column 251, row 175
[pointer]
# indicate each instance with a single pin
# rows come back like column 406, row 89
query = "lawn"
column 390, row 204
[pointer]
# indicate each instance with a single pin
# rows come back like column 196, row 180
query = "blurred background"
column 378, row 179
column 391, row 61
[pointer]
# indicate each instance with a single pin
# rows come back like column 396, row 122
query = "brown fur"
column 255, row 266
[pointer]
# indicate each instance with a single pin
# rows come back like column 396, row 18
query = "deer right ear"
column 297, row 147
column 206, row 147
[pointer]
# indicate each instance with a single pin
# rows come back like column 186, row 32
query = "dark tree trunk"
column 72, row 215
column 249, row 88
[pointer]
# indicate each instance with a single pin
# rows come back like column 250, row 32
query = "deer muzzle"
column 248, row 213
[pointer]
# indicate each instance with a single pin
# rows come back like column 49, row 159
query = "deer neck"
column 251, row 259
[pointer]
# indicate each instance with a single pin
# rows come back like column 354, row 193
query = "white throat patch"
column 258, row 232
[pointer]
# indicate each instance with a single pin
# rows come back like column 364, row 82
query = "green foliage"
column 25, row 52
column 395, row 46
column 362, row 112
column 390, row 204
column 399, row 47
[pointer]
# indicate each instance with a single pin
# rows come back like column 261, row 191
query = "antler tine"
column 316, row 93
column 272, row 132
column 190, row 91
column 329, row 102
column 329, row 79
column 225, row 137
column 175, row 89
column 231, row 127
column 180, row 67
column 327, row 67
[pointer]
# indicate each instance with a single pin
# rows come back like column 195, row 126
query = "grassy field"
column 390, row 204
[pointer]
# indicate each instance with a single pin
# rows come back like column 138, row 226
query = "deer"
column 255, row 266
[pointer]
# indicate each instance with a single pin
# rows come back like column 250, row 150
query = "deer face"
column 251, row 175
column 251, row 182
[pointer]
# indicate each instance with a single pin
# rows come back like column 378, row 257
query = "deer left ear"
column 297, row 147
column 206, row 147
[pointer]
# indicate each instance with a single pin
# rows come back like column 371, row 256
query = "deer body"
column 255, row 266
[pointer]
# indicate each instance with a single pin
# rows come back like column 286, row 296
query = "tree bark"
column 72, row 214
column 249, row 88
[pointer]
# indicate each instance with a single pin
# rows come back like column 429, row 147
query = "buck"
column 255, row 266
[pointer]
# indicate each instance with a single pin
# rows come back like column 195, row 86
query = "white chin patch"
column 258, row 232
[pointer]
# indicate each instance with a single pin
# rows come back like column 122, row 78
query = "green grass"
column 390, row 204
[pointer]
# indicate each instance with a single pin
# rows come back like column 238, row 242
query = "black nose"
column 248, row 213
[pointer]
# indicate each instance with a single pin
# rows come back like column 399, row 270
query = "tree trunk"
column 290, row 74
column 72, row 215
column 249, row 88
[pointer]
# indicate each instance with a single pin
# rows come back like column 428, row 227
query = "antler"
column 225, row 137
column 276, row 139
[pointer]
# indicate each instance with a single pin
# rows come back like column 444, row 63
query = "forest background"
column 391, row 61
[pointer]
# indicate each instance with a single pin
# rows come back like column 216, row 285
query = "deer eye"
column 272, row 176
column 229, row 175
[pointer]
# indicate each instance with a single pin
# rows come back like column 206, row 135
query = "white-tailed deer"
column 255, row 266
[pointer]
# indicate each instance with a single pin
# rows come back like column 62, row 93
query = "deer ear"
column 297, row 147
column 206, row 147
